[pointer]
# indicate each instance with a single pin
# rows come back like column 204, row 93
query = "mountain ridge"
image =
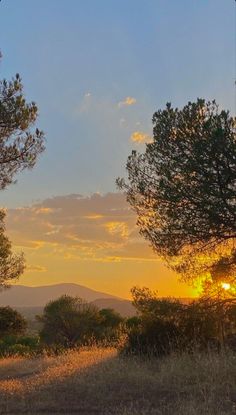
column 39, row 296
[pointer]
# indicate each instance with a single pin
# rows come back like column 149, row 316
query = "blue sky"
column 98, row 70
column 79, row 59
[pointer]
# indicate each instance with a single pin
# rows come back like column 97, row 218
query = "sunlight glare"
column 225, row 285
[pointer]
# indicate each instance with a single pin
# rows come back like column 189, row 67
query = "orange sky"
column 92, row 241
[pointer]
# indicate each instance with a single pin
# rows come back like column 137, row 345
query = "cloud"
column 35, row 268
column 139, row 137
column 95, row 228
column 117, row 228
column 127, row 102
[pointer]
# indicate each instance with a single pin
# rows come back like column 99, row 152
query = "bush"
column 69, row 322
column 166, row 325
column 153, row 338
column 19, row 345
column 11, row 322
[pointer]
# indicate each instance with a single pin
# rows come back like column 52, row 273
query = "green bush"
column 19, row 345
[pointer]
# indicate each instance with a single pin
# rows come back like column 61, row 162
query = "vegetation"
column 20, row 146
column 11, row 322
column 71, row 322
column 168, row 326
column 102, row 382
column 183, row 188
column 11, row 265
column 20, row 346
column 162, row 327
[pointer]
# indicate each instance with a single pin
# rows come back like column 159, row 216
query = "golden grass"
column 98, row 381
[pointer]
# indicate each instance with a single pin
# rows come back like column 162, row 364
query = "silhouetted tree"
column 183, row 187
column 11, row 265
column 69, row 321
column 11, row 322
column 109, row 325
column 20, row 146
column 167, row 325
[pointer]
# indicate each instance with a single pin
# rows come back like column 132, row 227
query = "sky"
column 98, row 70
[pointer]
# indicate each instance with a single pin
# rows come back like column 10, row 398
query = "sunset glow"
column 226, row 286
column 98, row 74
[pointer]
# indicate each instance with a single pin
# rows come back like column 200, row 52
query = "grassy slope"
column 99, row 382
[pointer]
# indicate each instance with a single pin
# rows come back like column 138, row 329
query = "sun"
column 225, row 285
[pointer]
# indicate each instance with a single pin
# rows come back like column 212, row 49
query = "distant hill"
column 31, row 300
column 23, row 296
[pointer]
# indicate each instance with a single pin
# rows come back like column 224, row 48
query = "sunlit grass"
column 98, row 381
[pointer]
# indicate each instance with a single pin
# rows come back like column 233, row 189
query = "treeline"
column 68, row 322
column 161, row 326
column 167, row 325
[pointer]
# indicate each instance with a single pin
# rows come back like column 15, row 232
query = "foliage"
column 183, row 187
column 132, row 322
column 11, row 265
column 167, row 325
column 109, row 326
column 11, row 322
column 19, row 345
column 69, row 321
column 20, row 146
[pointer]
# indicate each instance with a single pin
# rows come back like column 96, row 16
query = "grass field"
column 98, row 381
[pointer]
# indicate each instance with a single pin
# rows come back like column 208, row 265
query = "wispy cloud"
column 86, row 228
column 91, row 240
column 140, row 137
column 35, row 268
column 127, row 102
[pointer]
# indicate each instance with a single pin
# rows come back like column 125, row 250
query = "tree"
column 20, row 146
column 110, row 318
column 166, row 324
column 11, row 322
column 109, row 326
column 183, row 187
column 11, row 265
column 69, row 321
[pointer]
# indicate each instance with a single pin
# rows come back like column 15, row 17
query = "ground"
column 98, row 381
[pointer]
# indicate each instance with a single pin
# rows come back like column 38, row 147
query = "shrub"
column 19, row 345
column 11, row 322
column 69, row 322
column 166, row 325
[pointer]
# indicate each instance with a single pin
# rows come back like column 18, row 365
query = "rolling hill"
column 23, row 296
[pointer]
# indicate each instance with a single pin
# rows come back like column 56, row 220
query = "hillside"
column 23, row 296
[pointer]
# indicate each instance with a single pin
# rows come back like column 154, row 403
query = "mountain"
column 23, row 296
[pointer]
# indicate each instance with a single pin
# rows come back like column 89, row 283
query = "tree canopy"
column 11, row 265
column 20, row 145
column 183, row 186
column 69, row 321
column 11, row 322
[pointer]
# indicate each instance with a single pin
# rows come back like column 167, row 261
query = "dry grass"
column 100, row 382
